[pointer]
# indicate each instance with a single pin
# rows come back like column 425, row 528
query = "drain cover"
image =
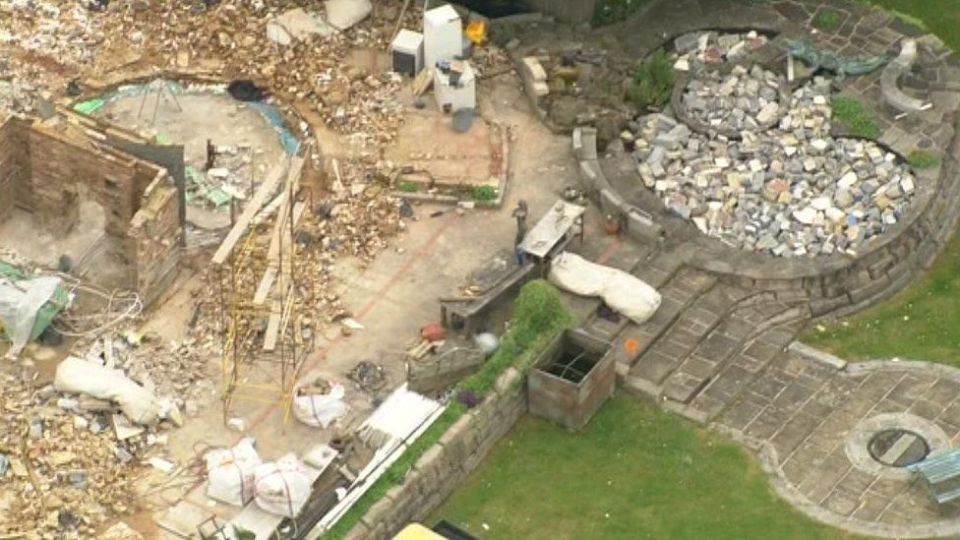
column 898, row 447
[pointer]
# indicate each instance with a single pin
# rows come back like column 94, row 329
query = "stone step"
column 738, row 329
column 677, row 295
column 742, row 368
column 695, row 325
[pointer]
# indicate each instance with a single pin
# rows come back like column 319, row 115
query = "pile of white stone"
column 743, row 99
column 791, row 190
column 694, row 49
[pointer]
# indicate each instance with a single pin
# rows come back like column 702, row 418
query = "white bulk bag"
column 320, row 410
column 623, row 292
column 282, row 488
column 79, row 376
column 230, row 472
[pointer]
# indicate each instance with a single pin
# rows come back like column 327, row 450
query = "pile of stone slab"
column 792, row 190
column 741, row 100
column 694, row 49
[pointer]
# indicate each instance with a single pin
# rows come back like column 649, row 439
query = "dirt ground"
column 392, row 297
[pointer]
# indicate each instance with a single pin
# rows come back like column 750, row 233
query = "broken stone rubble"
column 791, row 191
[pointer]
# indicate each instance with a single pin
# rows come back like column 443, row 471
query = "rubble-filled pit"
column 791, row 190
column 247, row 136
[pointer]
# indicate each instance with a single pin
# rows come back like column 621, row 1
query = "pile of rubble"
column 68, row 463
column 694, row 49
column 743, row 100
column 791, row 191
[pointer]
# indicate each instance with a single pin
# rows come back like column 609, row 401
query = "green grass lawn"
column 922, row 322
column 941, row 17
column 635, row 472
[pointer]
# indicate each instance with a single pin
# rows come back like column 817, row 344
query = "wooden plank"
column 256, row 202
column 273, row 327
column 273, row 253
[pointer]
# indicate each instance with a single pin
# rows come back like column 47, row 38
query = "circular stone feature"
column 791, row 190
column 898, row 447
column 741, row 100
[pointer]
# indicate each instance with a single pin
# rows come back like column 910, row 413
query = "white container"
column 442, row 35
column 462, row 95
column 407, row 49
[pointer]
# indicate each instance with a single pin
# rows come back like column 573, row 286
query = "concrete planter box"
column 573, row 377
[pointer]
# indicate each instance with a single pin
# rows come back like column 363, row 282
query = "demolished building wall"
column 13, row 165
column 49, row 171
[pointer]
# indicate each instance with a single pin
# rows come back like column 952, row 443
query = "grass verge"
column 852, row 114
column 919, row 323
column 539, row 314
column 635, row 472
column 827, row 19
column 922, row 159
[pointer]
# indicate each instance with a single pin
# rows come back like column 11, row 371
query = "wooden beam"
column 273, row 253
column 273, row 327
column 253, row 206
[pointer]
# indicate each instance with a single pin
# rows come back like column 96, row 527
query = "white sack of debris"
column 230, row 472
column 78, row 376
column 622, row 292
column 283, row 487
column 320, row 410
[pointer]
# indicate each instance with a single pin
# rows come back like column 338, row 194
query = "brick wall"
column 46, row 173
column 153, row 244
column 13, row 165
column 60, row 170
column 443, row 468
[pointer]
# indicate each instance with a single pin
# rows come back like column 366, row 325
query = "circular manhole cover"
column 898, row 447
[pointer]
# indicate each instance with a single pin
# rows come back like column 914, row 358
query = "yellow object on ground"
column 477, row 32
column 415, row 531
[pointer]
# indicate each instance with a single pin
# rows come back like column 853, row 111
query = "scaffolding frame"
column 251, row 353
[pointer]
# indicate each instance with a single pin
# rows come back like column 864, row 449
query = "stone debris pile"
column 694, row 49
column 743, row 100
column 790, row 191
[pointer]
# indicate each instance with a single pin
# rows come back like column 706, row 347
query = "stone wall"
column 442, row 469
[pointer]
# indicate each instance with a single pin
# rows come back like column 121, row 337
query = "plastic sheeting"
column 20, row 302
column 623, row 292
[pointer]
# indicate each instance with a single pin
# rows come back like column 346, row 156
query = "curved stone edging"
column 683, row 114
column 639, row 223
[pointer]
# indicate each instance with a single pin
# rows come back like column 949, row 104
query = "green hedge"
column 539, row 315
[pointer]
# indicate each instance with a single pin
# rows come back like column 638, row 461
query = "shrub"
column 851, row 113
column 539, row 315
column 613, row 11
column 408, row 187
column 922, row 159
column 652, row 82
column 827, row 19
column 484, row 193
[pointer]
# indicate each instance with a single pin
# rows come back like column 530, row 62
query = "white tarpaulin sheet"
column 19, row 303
column 624, row 293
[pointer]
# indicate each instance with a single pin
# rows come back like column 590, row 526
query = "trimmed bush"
column 652, row 82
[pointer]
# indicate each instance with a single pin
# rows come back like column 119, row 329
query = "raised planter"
column 571, row 380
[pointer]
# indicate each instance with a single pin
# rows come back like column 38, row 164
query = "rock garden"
column 765, row 174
